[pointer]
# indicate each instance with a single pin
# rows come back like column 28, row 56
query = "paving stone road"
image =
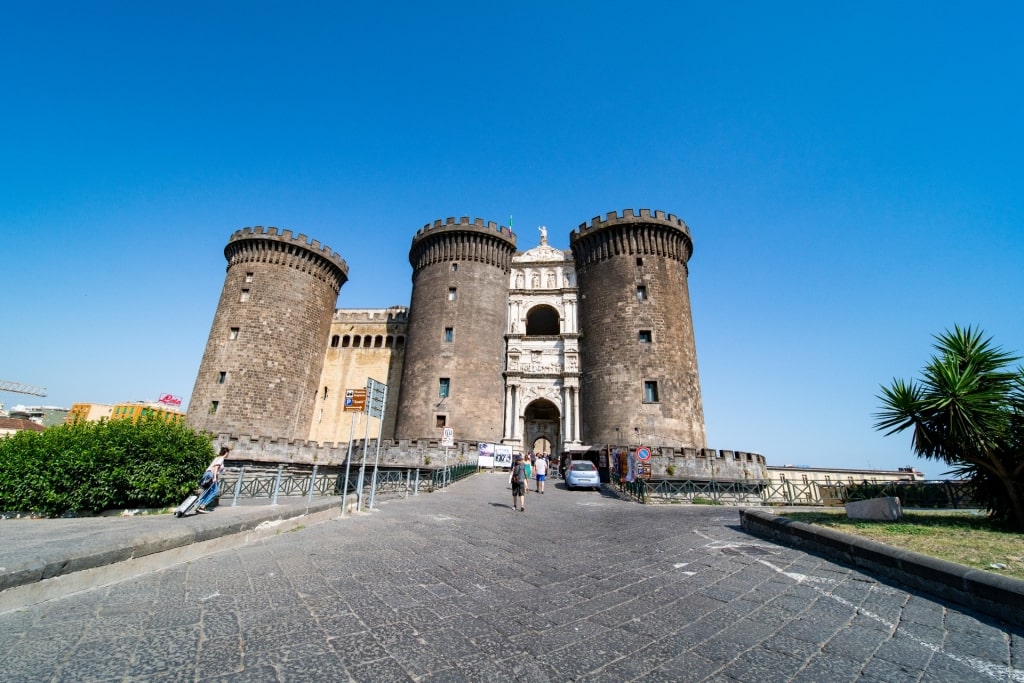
column 456, row 586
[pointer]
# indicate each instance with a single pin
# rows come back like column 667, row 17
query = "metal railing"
column 944, row 494
column 280, row 481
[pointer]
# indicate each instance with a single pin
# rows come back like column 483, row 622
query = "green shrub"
column 89, row 467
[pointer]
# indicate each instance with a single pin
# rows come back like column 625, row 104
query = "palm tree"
column 967, row 410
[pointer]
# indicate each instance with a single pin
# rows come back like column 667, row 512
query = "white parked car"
column 582, row 474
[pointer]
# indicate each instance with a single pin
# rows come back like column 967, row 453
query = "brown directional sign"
column 355, row 400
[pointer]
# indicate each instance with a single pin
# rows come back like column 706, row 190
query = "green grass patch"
column 965, row 538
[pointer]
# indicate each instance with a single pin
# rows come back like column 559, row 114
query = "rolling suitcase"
column 187, row 506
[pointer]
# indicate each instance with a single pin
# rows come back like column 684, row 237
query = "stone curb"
column 998, row 596
column 55, row 571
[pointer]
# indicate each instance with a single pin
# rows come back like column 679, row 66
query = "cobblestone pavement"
column 456, row 586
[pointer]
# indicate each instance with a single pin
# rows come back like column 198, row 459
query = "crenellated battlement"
column 464, row 224
column 634, row 234
column 392, row 314
column 289, row 238
column 630, row 216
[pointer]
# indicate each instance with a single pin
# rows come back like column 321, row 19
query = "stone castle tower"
column 455, row 348
column 261, row 368
column 639, row 380
column 587, row 352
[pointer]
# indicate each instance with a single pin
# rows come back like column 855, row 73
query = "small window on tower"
column 233, row 333
column 213, row 406
column 455, row 267
column 248, row 277
column 451, row 294
column 221, row 377
column 650, row 391
column 641, row 292
column 440, row 421
column 245, row 296
column 644, row 336
column 449, row 334
column 639, row 262
column 444, row 387
column 335, row 340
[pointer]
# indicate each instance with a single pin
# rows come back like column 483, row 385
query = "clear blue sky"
column 851, row 174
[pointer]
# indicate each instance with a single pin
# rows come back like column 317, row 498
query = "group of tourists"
column 534, row 466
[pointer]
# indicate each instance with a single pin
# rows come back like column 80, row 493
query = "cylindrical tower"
column 262, row 363
column 455, row 349
column 639, row 380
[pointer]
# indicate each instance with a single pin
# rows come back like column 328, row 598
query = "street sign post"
column 375, row 398
column 355, row 400
column 447, row 440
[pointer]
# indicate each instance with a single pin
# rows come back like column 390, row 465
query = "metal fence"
column 273, row 482
column 944, row 494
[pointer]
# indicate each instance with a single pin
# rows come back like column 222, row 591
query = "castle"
column 564, row 352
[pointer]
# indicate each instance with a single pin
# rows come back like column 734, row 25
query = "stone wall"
column 362, row 344
column 686, row 463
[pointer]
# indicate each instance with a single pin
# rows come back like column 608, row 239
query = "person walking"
column 529, row 474
column 519, row 484
column 541, row 469
column 211, row 479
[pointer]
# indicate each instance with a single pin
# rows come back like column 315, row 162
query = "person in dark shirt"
column 519, row 484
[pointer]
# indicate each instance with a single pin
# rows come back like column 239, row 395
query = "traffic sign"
column 643, row 453
column 355, row 400
column 448, row 440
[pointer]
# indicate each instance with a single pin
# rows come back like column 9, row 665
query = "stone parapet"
column 999, row 596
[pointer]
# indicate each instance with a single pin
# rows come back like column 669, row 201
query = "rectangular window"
column 641, row 292
column 221, row 376
column 639, row 262
column 248, row 277
column 644, row 336
column 213, row 406
column 449, row 334
column 245, row 296
column 650, row 391
column 440, row 421
column 233, row 333
column 444, row 387
column 455, row 267
column 451, row 294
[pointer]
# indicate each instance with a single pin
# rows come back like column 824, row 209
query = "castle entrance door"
column 541, row 433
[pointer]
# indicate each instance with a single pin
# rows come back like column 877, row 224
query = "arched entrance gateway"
column 542, row 406
column 540, row 427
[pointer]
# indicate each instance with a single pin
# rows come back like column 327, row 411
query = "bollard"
column 312, row 486
column 277, row 485
column 238, row 487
